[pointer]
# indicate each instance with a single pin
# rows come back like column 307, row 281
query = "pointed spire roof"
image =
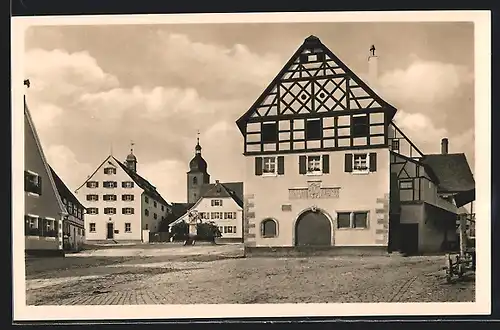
column 314, row 80
column 198, row 164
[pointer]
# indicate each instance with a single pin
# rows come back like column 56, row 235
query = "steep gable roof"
column 327, row 84
column 452, row 171
column 63, row 190
column 149, row 189
column 229, row 189
column 31, row 126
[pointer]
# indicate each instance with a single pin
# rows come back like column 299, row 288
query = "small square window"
column 92, row 227
column 146, row 212
column 344, row 220
column 155, row 204
column 269, row 165
column 110, row 170
column 313, row 164
column 269, row 132
column 146, row 199
column 32, row 183
column 360, row 126
column 360, row 163
column 360, row 220
column 406, row 184
column 216, row 202
column 128, row 227
column 395, row 145
column 314, row 129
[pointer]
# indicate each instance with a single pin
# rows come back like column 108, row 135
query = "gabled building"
column 326, row 166
column 221, row 203
column 73, row 225
column 122, row 206
column 43, row 207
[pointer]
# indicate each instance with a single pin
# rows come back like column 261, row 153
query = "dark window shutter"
column 115, row 184
column 258, row 165
column 39, row 187
column 281, row 165
column 348, row 162
column 302, row 165
column 123, row 184
column 132, row 210
column 26, row 181
column 123, row 210
column 326, row 163
column 373, row 162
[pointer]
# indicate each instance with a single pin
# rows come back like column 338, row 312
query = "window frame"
column 110, row 208
column 128, row 210
column 113, row 197
column 360, row 171
column 36, row 186
column 266, row 137
column 262, row 228
column 352, row 215
column 213, row 202
column 110, row 168
column 114, row 184
column 92, row 227
column 128, row 227
column 274, row 163
column 93, row 208
column 309, row 131
column 128, row 184
column 354, row 126
column 318, row 171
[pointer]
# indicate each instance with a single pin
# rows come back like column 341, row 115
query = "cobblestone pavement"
column 182, row 275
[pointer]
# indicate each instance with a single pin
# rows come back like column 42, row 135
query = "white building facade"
column 121, row 205
column 221, row 204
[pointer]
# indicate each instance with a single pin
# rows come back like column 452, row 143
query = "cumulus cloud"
column 58, row 74
column 218, row 70
column 68, row 165
column 424, row 82
column 169, row 178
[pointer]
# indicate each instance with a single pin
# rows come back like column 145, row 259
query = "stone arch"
column 313, row 227
column 269, row 228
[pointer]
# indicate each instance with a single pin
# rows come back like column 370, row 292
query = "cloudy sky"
column 97, row 86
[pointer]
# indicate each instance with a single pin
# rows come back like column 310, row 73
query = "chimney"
column 372, row 66
column 444, row 146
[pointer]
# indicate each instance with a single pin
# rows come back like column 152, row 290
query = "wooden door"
column 313, row 229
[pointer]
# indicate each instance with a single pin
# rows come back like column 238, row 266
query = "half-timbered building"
column 327, row 166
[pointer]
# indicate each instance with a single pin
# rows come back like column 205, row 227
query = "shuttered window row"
column 316, row 164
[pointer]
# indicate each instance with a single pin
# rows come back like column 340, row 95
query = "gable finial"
column 372, row 50
column 132, row 147
column 27, row 83
column 198, row 137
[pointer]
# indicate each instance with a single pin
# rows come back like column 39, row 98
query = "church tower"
column 131, row 161
column 197, row 175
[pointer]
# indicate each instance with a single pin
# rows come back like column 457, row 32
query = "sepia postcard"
column 251, row 165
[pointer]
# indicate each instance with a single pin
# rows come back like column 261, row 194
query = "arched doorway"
column 313, row 228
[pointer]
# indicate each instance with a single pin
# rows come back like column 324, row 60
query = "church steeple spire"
column 198, row 146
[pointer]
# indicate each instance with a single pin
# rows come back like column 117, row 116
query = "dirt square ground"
column 173, row 274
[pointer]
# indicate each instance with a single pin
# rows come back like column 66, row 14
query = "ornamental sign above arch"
column 314, row 190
